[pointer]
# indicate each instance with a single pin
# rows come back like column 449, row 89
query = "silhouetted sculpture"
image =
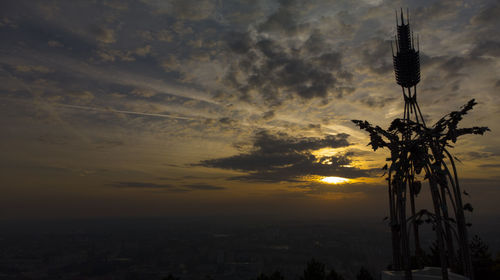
column 415, row 148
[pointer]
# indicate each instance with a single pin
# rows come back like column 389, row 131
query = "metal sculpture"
column 418, row 154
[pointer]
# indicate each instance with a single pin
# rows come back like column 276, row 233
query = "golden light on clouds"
column 335, row 180
column 328, row 152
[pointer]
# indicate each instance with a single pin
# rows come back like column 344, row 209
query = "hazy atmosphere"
column 230, row 108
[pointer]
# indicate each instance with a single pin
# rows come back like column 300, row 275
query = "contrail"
column 110, row 110
column 105, row 110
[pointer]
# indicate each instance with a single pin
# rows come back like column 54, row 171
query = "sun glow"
column 335, row 180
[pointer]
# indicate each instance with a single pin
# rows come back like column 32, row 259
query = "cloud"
column 55, row 44
column 488, row 15
column 141, row 92
column 102, row 34
column 167, row 187
column 110, row 55
column 493, row 165
column 80, row 97
column 284, row 19
column 436, row 11
column 488, row 48
column 184, row 9
column 280, row 157
column 141, row 185
column 276, row 71
column 475, row 155
column 375, row 55
column 378, row 101
column 204, row 187
column 193, row 9
column 116, row 4
column 143, row 51
column 163, row 35
column 33, row 68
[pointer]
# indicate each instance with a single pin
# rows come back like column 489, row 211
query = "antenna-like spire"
column 406, row 60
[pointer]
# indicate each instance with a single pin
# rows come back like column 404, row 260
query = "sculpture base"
column 427, row 273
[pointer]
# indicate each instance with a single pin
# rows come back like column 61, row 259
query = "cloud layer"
column 278, row 158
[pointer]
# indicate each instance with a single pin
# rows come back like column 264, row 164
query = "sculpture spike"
column 412, row 41
column 418, row 45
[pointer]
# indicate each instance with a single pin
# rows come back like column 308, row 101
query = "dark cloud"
column 435, row 11
column 227, row 121
column 446, row 73
column 488, row 48
column 239, row 43
column 474, row 155
column 277, row 71
column 453, row 65
column 282, row 143
column 488, row 15
column 377, row 102
column 376, row 56
column 204, row 187
column 187, row 9
column 276, row 158
column 102, row 34
column 284, row 19
column 268, row 115
column 167, row 187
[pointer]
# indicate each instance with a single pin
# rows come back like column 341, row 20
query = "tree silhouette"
column 482, row 261
column 432, row 258
column 364, row 274
column 496, row 267
column 274, row 276
column 171, row 277
column 314, row 271
column 333, row 275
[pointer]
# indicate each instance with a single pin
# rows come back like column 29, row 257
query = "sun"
column 334, row 180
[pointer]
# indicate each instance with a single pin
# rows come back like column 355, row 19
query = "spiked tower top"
column 406, row 59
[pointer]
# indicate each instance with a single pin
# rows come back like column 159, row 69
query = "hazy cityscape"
column 193, row 249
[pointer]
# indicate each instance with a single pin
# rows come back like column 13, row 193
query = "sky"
column 230, row 108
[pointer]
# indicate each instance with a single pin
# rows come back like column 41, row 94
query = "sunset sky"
column 215, row 107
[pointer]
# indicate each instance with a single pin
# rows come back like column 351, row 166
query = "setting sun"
column 335, row 180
